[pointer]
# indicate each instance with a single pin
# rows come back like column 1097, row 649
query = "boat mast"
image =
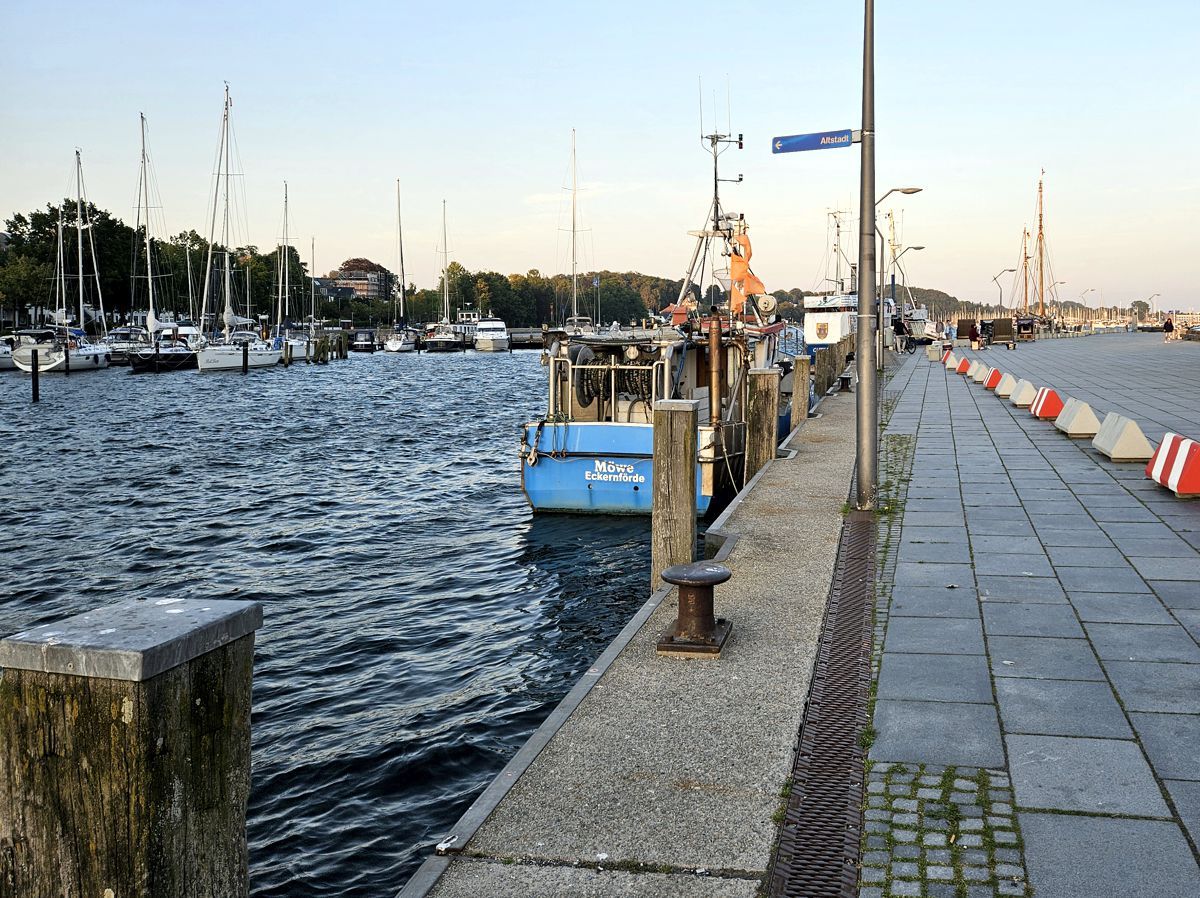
column 187, row 255
column 212, row 227
column 574, row 273
column 312, row 286
column 151, row 321
column 60, row 282
column 79, row 228
column 445, row 269
column 287, row 259
column 1041, row 252
column 1025, row 269
column 225, row 229
column 400, row 242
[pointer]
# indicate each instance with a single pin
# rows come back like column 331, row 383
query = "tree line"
column 29, row 262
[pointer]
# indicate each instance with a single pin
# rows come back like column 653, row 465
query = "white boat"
column 59, row 349
column 6, row 361
column 238, row 346
column 491, row 335
column 444, row 336
column 228, row 356
column 403, row 340
column 122, row 342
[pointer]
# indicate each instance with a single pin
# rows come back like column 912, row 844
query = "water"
column 420, row 622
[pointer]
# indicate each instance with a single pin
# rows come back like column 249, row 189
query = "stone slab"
column 1060, row 708
column 1070, row 856
column 1156, row 686
column 133, row 640
column 1098, row 776
column 1172, row 743
column 1043, row 658
column 485, row 878
column 942, row 636
column 1030, row 619
column 946, row 733
column 1143, row 642
column 1186, row 795
column 1113, row 607
column 935, row 678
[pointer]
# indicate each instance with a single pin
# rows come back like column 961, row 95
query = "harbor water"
column 419, row 621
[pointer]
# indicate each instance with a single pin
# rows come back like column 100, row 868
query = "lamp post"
column 880, row 326
column 866, row 408
column 999, row 286
column 1150, row 304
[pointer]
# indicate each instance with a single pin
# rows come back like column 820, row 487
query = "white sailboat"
column 241, row 347
column 403, row 338
column 283, row 336
column 64, row 348
column 446, row 337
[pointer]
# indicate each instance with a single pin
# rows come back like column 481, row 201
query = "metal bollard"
column 697, row 632
column 33, row 358
column 245, row 357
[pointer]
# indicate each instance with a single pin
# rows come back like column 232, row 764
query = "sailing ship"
column 243, row 347
column 1036, row 295
column 593, row 449
column 62, row 347
column 446, row 336
column 298, row 346
column 402, row 338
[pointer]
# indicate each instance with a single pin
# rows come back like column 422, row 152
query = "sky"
column 474, row 104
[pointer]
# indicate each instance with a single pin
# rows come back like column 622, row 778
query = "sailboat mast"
column 225, row 226
column 187, row 255
column 212, row 226
column 574, row 273
column 445, row 269
column 60, row 283
column 400, row 242
column 79, row 228
column 1041, row 253
column 150, row 319
column 312, row 285
column 287, row 258
column 1025, row 269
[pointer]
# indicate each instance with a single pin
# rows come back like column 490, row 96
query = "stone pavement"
column 1037, row 707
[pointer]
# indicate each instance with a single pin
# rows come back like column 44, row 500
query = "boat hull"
column 492, row 344
column 147, row 362
column 437, row 344
column 229, row 358
column 593, row 468
column 394, row 344
column 51, row 360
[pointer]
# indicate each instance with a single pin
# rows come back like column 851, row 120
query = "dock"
column 1032, row 724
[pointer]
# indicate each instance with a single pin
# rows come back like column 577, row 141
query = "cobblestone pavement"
column 1037, row 638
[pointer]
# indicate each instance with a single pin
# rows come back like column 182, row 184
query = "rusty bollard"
column 697, row 633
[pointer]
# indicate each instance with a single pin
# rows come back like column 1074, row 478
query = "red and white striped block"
column 993, row 379
column 1176, row 465
column 946, row 355
column 963, row 367
column 1047, row 405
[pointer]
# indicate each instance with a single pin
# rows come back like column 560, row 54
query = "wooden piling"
column 800, row 389
column 125, row 734
column 673, row 509
column 762, row 420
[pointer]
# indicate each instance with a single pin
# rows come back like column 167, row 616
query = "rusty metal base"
column 669, row 645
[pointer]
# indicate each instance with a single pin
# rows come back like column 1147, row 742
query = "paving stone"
column 943, row 732
column 876, row 814
column 938, row 856
column 905, row 804
column 876, row 842
column 906, row 819
column 930, row 781
column 1102, row 579
column 1063, row 861
column 1177, row 594
column 906, row 869
column 979, row 892
column 1186, row 795
column 1140, row 608
column 906, row 851
column 944, row 678
column 1078, row 538
column 931, row 574
column 934, row 840
column 1060, row 708
column 1143, row 642
column 1007, row 856
column 1083, row 556
column 939, row 872
column 1168, row 568
column 934, row 636
column 971, row 840
column 934, row 601
column 876, row 787
column 1102, row 776
column 873, row 874
column 904, row 835
column 1000, row 528
column 912, row 534
column 976, row 874
column 876, row 859
column 897, row 789
column 997, row 821
column 1172, row 743
column 1001, row 808
column 1005, row 545
column 954, row 553
column 877, row 801
column 1015, row 588
column 1157, row 686
column 1010, row 888
column 971, row 810
column 970, row 825
column 877, row 826
column 1043, row 657
column 1010, row 871
column 900, row 887
column 1004, row 838
column 1165, row 547
column 975, row 857
column 929, row 794
column 1028, row 619
column 870, row 892
column 1024, row 565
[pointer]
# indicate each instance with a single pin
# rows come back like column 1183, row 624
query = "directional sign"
column 821, row 140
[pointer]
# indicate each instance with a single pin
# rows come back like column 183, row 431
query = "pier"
column 1033, row 672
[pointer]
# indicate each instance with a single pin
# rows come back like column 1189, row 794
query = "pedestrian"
column 1168, row 329
column 949, row 329
column 899, row 333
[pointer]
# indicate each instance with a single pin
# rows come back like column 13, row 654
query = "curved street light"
column 908, row 190
column 999, row 286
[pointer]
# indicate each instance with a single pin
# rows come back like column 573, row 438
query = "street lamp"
column 879, row 328
column 908, row 190
column 866, row 486
column 999, row 286
column 1150, row 304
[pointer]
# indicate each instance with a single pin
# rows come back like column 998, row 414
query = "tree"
column 1141, row 309
column 24, row 283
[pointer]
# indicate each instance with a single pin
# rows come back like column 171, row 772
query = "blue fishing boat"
column 593, row 451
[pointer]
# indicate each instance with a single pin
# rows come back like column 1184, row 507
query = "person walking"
column 1168, row 329
column 899, row 333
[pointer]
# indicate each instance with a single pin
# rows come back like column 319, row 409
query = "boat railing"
column 791, row 342
column 563, row 370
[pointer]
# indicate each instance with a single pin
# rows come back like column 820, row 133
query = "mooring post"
column 801, row 385
column 762, row 419
column 673, row 506
column 245, row 357
column 67, row 357
column 125, row 733
column 33, row 358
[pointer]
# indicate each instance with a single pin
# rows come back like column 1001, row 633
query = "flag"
column 596, row 281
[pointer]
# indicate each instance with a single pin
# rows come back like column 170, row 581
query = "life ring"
column 71, row 344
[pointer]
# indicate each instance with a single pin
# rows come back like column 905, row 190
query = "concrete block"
column 979, row 375
column 993, row 379
column 1022, row 394
column 1046, row 404
column 1007, row 384
column 1176, row 465
column 1077, row 420
column 1121, row 439
column 964, row 365
column 951, row 361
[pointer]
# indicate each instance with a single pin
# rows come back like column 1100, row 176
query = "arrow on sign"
column 820, row 140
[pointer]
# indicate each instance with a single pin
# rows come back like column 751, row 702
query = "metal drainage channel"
column 819, row 840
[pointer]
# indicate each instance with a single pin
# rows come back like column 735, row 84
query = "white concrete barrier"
column 1023, row 394
column 951, row 360
column 1122, row 440
column 932, row 352
column 1077, row 419
column 1007, row 384
column 980, row 373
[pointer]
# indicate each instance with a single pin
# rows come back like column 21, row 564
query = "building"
column 372, row 286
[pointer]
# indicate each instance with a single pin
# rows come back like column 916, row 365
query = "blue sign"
column 821, row 140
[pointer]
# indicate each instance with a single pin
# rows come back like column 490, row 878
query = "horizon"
column 493, row 133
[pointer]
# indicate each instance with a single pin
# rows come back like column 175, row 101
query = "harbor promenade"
column 666, row 776
column 1036, row 715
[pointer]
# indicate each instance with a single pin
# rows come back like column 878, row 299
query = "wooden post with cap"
column 673, row 509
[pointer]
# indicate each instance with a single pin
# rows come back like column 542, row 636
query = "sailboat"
column 62, row 347
column 446, row 337
column 238, row 346
column 1035, row 294
column 403, row 338
column 283, row 336
column 576, row 323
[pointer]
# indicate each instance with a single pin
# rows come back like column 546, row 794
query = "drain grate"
column 819, row 839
